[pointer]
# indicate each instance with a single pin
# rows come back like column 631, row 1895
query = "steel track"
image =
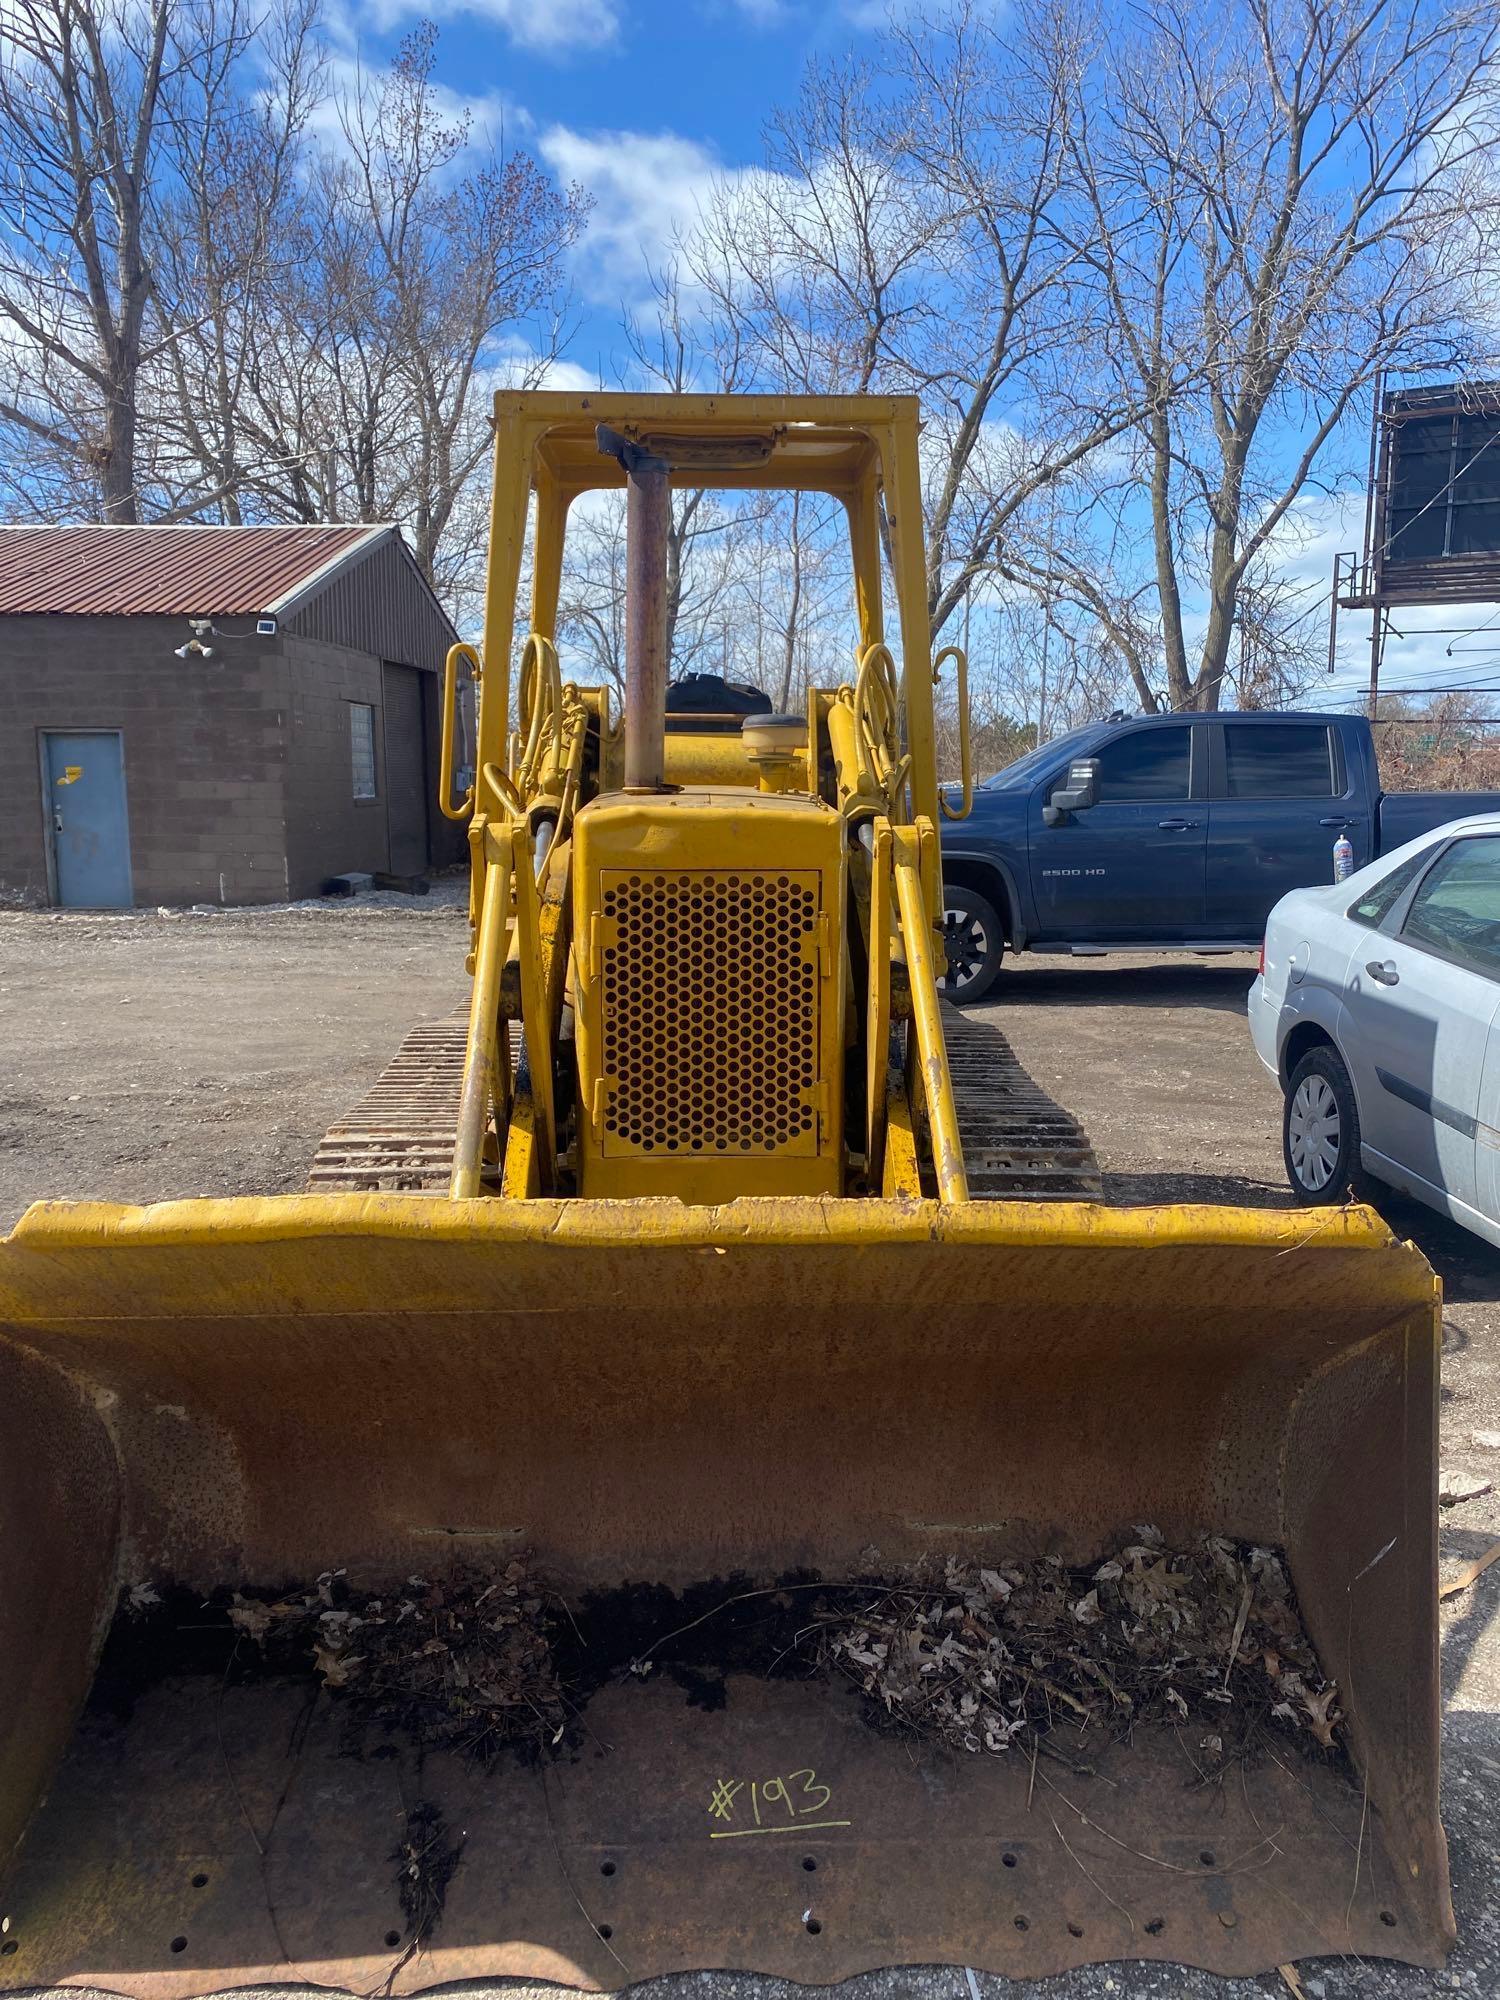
column 1018, row 1143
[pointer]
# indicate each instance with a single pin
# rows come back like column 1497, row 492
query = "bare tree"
column 459, row 250
column 724, row 614
column 904, row 236
column 81, row 85
column 792, row 622
column 1265, row 201
column 1438, row 743
column 209, row 309
column 404, row 272
column 668, row 354
column 591, row 607
column 227, row 230
column 759, row 586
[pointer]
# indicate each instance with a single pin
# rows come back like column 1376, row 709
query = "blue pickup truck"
column 1165, row 832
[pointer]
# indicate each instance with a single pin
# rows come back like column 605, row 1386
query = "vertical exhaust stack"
column 647, row 522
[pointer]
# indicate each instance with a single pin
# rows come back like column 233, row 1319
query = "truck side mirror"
column 1080, row 792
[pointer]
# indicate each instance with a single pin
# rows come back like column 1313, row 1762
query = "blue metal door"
column 89, row 830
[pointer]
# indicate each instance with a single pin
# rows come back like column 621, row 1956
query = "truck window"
column 1010, row 776
column 1148, row 764
column 1456, row 912
column 1374, row 906
column 1277, row 760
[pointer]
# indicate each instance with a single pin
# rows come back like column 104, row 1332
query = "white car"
column 1375, row 1010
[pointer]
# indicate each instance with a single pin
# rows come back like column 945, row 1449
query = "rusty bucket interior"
column 243, row 1393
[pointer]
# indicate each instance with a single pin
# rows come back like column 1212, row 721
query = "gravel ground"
column 165, row 1055
column 158, row 1055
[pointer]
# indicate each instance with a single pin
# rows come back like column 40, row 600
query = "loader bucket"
column 250, row 1392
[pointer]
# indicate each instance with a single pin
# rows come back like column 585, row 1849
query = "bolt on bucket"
column 678, row 1418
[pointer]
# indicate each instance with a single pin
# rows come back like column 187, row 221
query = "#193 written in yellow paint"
column 797, row 1803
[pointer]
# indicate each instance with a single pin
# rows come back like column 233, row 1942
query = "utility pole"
column 1377, row 643
column 1375, row 539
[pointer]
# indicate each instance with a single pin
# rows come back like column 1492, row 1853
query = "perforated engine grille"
column 710, row 1013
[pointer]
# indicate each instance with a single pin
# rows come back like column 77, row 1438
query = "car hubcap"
column 966, row 948
column 1313, row 1133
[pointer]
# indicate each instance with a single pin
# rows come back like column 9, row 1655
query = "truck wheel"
column 1320, row 1132
column 973, row 945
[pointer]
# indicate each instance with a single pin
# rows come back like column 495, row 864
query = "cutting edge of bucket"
column 56, row 1225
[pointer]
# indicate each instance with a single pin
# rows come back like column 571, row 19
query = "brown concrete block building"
column 303, row 745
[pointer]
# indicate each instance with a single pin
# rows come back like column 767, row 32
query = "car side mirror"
column 1080, row 792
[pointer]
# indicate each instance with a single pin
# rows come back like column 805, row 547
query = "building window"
column 362, row 748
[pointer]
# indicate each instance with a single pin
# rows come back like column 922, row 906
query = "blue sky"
column 640, row 100
column 705, row 68
column 643, row 101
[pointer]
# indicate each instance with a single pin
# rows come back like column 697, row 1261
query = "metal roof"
column 191, row 571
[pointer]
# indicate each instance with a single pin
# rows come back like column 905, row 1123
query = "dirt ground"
column 151, row 1056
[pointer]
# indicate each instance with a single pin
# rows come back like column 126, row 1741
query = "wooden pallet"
column 1018, row 1144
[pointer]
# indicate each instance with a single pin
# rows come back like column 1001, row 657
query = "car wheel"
column 973, row 945
column 1320, row 1131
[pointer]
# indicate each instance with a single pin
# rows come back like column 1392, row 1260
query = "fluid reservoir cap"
column 773, row 735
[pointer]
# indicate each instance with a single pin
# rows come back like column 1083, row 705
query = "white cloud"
column 645, row 186
column 568, row 375
column 551, row 27
column 491, row 115
column 873, row 16
column 1426, row 646
column 521, row 367
column 1313, row 530
column 493, row 118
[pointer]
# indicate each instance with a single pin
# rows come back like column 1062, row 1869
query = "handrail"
column 450, row 709
column 932, row 1053
column 482, row 1049
column 960, row 661
column 878, row 1008
column 535, row 1025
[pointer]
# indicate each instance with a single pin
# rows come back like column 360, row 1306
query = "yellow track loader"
column 709, row 1329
